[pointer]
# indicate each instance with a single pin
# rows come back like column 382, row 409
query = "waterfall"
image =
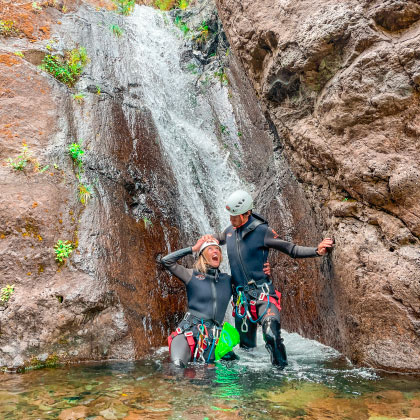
column 185, row 120
column 144, row 67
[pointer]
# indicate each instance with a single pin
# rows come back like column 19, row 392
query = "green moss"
column 124, row 7
column 68, row 69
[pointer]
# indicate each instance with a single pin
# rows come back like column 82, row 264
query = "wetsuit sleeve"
column 221, row 237
column 271, row 240
column 169, row 262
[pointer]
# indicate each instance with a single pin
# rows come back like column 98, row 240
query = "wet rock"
column 339, row 84
column 74, row 413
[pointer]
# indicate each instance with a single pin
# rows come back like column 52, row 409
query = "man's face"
column 213, row 255
column 239, row 220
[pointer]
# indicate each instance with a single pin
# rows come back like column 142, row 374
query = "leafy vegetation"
column 8, row 28
column 76, row 152
column 68, row 69
column 124, row 7
column 147, row 222
column 63, row 250
column 79, row 97
column 192, row 68
column 222, row 76
column 6, row 293
column 98, row 90
column 19, row 54
column 165, row 4
column 171, row 4
column 182, row 26
column 183, row 4
column 116, row 30
column 203, row 33
column 85, row 193
column 20, row 162
column 36, row 6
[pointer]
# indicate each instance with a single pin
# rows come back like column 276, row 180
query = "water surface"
column 318, row 384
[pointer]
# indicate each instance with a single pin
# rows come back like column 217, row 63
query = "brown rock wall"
column 340, row 83
column 109, row 300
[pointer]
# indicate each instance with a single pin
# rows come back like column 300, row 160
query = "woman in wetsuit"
column 208, row 293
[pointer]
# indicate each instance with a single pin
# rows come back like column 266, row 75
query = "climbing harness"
column 207, row 336
column 247, row 309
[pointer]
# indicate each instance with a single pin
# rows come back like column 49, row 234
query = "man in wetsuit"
column 208, row 294
column 248, row 240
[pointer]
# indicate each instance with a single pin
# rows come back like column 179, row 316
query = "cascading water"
column 142, row 75
column 185, row 121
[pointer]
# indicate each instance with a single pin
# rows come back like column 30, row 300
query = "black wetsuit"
column 208, row 296
column 248, row 247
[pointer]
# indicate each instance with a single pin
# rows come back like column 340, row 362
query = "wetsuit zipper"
column 240, row 257
column 213, row 290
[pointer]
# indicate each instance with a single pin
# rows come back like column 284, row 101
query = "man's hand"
column 208, row 237
column 198, row 244
column 267, row 269
column 325, row 245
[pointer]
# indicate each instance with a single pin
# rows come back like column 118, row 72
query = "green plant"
column 19, row 54
column 36, row 6
column 222, row 76
column 44, row 168
column 147, row 222
column 6, row 292
column 98, row 90
column 79, row 97
column 203, row 33
column 124, row 7
column 183, row 4
column 68, row 69
column 224, row 129
column 182, row 26
column 76, row 152
column 8, row 28
column 85, row 193
column 116, row 30
column 22, row 160
column 239, row 134
column 164, row 4
column 63, row 250
column 192, row 68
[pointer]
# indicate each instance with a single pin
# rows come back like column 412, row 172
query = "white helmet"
column 206, row 244
column 239, row 202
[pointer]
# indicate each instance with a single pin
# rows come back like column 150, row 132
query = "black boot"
column 274, row 342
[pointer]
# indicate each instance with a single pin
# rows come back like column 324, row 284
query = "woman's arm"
column 169, row 262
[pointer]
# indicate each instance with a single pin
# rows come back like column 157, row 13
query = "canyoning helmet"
column 206, row 244
column 239, row 202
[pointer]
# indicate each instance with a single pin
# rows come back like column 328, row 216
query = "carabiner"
column 244, row 326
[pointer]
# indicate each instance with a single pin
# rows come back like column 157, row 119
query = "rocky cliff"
column 130, row 196
column 340, row 83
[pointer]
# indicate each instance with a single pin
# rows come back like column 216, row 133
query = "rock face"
column 110, row 299
column 339, row 81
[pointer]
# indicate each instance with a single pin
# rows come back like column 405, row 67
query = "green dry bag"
column 229, row 338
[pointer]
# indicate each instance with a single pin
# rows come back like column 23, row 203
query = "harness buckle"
column 252, row 302
column 179, row 330
column 262, row 296
column 188, row 333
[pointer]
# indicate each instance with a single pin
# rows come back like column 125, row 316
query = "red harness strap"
column 188, row 335
column 253, row 305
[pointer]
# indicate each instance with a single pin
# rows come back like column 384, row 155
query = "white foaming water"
column 185, row 122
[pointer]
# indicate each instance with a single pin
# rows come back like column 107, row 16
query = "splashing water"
column 185, row 121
